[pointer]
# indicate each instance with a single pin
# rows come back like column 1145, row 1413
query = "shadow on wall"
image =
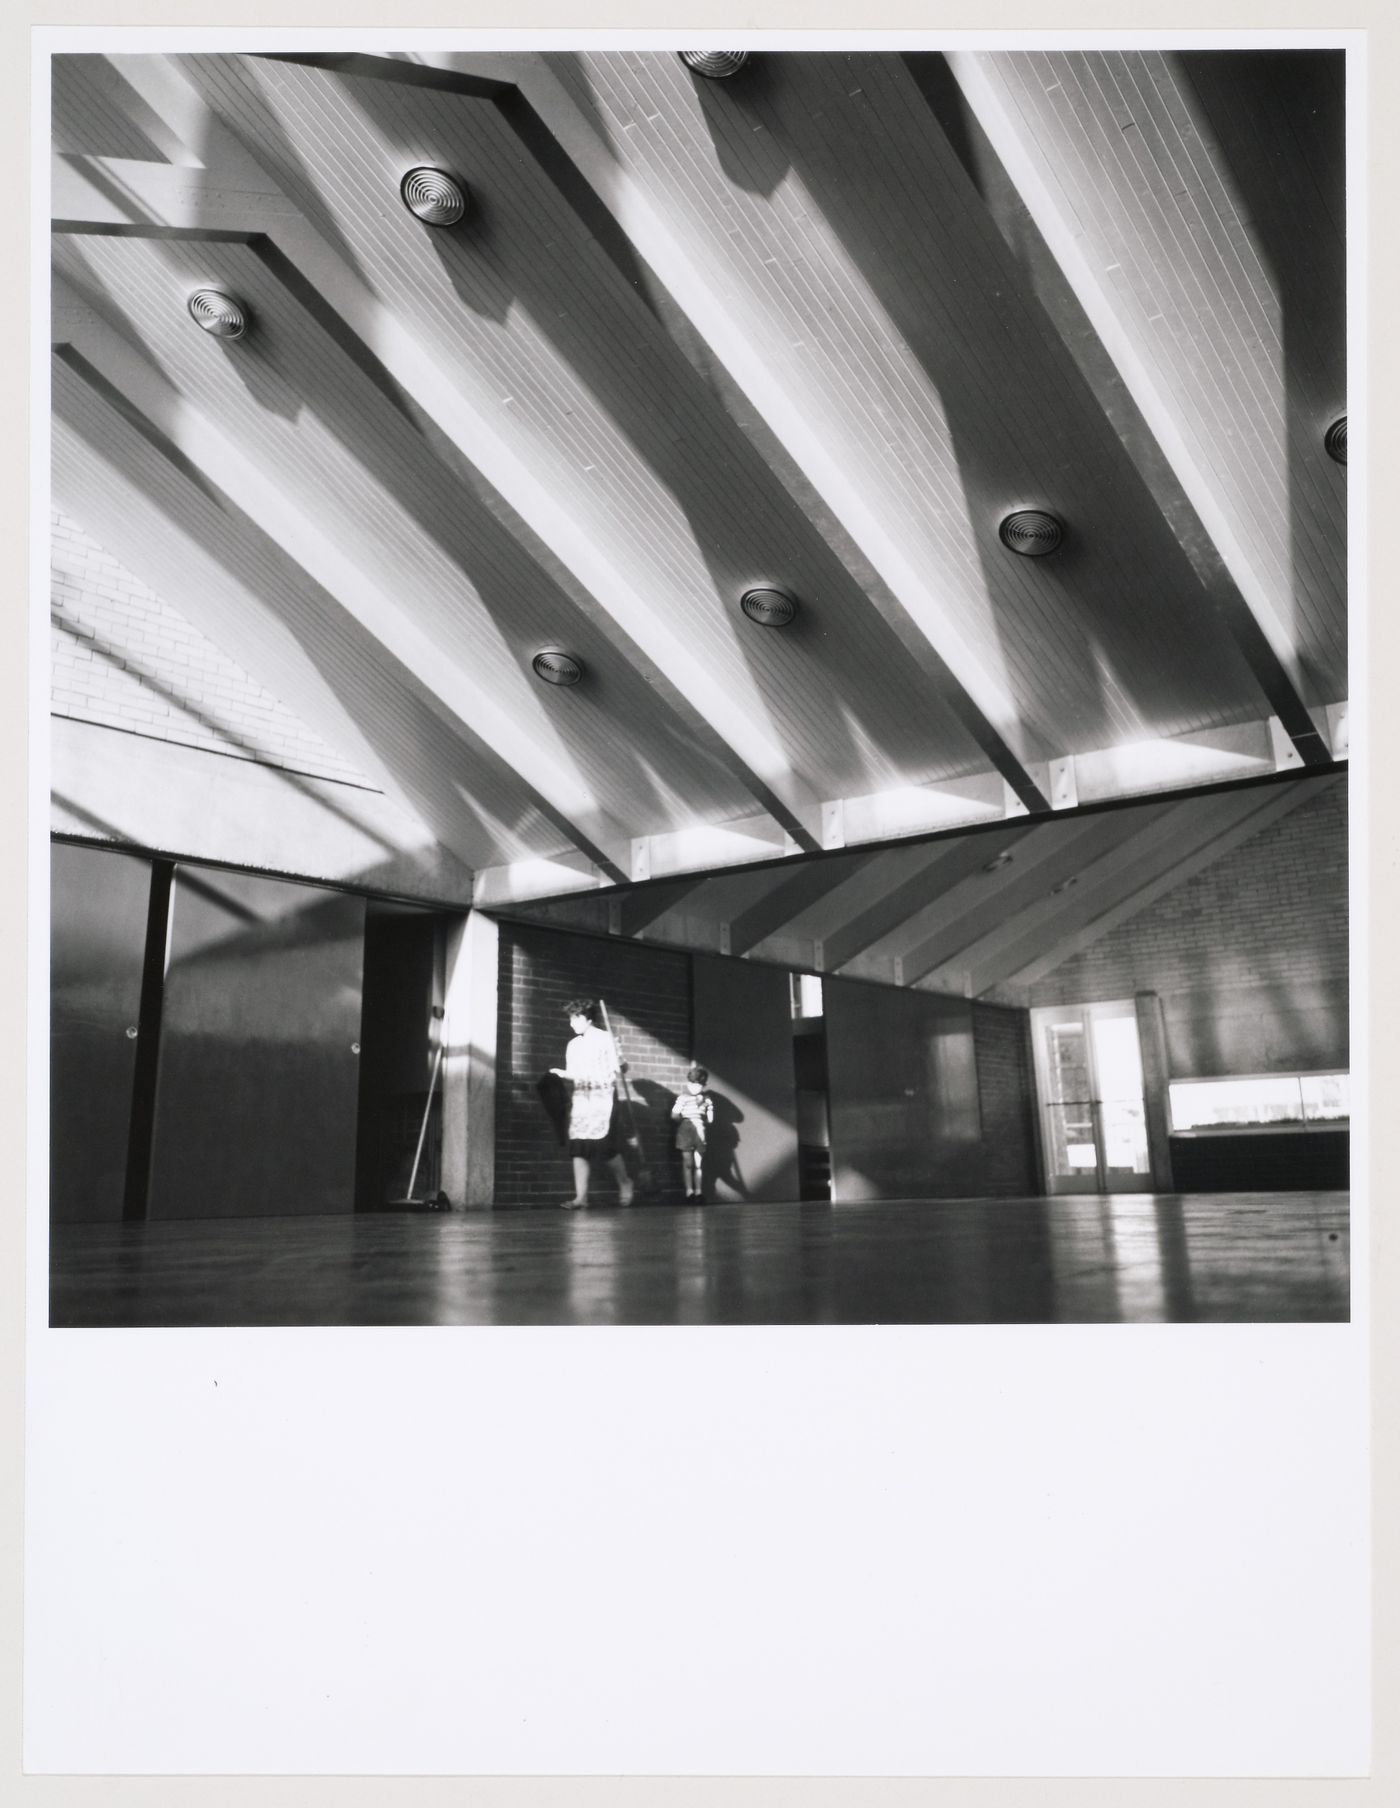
column 651, row 1105
column 656, row 1128
column 722, row 1168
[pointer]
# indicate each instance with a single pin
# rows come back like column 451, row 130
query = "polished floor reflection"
column 1133, row 1259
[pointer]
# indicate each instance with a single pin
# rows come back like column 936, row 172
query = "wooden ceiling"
column 822, row 326
column 983, row 914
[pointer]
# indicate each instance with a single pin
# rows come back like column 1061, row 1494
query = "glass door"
column 1124, row 1165
column 1089, row 1068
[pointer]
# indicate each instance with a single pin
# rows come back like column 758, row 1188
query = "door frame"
column 1042, row 1017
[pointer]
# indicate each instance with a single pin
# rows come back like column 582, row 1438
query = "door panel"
column 743, row 1035
column 905, row 1109
column 1117, row 1056
column 258, row 1081
column 98, row 907
column 1123, row 1130
column 1072, row 1163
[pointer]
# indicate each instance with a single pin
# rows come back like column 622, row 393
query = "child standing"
column 696, row 1110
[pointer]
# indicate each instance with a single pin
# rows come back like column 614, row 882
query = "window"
column 1260, row 1100
column 806, row 995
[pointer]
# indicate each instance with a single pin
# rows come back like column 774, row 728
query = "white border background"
column 1013, row 1551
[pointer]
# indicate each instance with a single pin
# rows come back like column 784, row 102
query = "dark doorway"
column 399, row 1037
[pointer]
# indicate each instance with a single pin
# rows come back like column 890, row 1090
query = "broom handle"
column 427, row 1113
column 626, row 1089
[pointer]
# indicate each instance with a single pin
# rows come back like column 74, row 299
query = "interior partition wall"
column 258, row 1081
column 743, row 1034
column 98, row 925
column 904, row 1104
column 216, row 1051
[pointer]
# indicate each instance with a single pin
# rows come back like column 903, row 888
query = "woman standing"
column 591, row 1066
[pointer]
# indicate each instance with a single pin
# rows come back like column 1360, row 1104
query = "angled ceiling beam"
column 1151, row 851
column 1065, row 878
column 407, row 70
column 923, row 618
column 791, row 895
column 1061, row 859
column 642, row 907
column 976, row 896
column 154, row 514
column 1247, row 602
column 948, row 866
column 234, row 195
column 1130, row 882
column 470, row 710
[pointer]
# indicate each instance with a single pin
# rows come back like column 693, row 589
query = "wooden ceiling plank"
column 976, row 894
column 354, row 459
column 791, row 895
column 949, row 865
column 358, row 707
column 1268, row 644
column 475, row 714
column 983, row 703
column 645, row 905
column 1133, row 878
column 866, row 878
column 134, row 200
column 1134, row 846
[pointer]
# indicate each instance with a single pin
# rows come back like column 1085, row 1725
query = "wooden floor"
column 1135, row 1258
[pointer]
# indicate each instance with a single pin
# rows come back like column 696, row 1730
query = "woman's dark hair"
column 698, row 1073
column 582, row 1007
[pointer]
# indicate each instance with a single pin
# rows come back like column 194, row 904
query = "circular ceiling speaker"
column 1336, row 440
column 768, row 607
column 218, row 313
column 555, row 667
column 717, row 64
column 433, row 196
column 1032, row 533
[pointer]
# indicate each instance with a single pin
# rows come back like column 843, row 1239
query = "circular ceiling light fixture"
column 218, row 313
column 1032, row 532
column 1336, row 440
column 434, row 197
column 557, row 667
column 718, row 65
column 768, row 607
column 1004, row 858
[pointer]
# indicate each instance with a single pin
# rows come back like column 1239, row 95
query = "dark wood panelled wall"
column 257, row 1083
column 97, row 939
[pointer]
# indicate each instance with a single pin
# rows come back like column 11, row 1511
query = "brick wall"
column 124, row 658
column 648, row 997
column 1001, row 1041
column 1249, row 956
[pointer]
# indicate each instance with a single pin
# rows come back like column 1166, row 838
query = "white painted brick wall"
column 124, row 658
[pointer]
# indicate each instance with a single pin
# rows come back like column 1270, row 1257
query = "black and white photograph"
column 699, row 687
column 698, row 915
